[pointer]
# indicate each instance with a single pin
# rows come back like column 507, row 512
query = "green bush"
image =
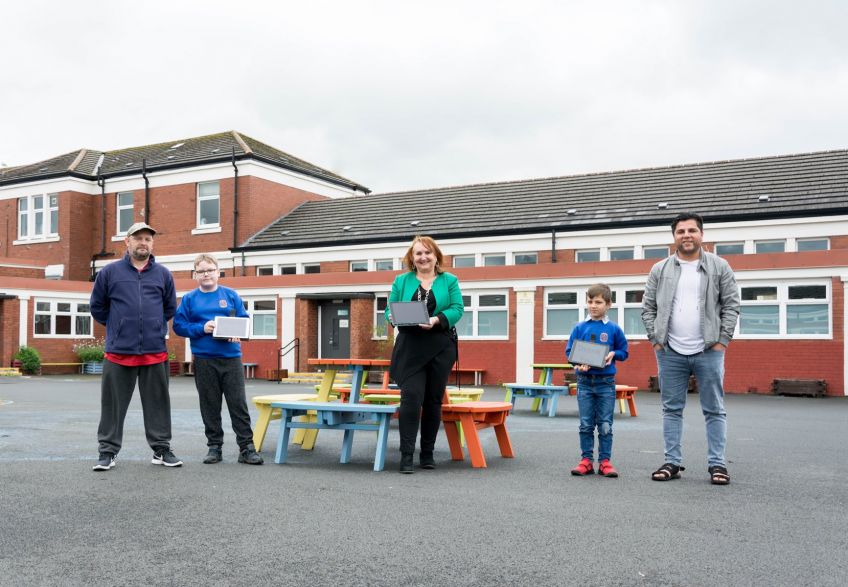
column 29, row 358
column 90, row 351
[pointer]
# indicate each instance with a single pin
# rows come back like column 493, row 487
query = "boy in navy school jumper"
column 596, row 386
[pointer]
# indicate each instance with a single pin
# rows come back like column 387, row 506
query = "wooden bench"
column 623, row 393
column 336, row 416
column 549, row 394
column 477, row 371
column 77, row 365
column 474, row 416
column 267, row 413
column 343, row 391
column 250, row 370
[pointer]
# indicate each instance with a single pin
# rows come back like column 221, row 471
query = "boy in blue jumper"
column 596, row 386
column 218, row 370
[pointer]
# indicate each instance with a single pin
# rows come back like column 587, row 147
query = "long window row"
column 486, row 316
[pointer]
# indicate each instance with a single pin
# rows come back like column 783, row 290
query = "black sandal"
column 719, row 475
column 667, row 472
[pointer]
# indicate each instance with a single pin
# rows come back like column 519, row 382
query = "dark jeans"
column 216, row 379
column 421, row 400
column 116, row 389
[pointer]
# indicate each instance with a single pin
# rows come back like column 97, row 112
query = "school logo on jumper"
column 222, row 303
column 604, row 337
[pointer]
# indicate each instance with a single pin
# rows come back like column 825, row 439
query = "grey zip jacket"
column 718, row 303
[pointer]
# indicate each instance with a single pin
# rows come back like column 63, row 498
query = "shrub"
column 90, row 351
column 29, row 358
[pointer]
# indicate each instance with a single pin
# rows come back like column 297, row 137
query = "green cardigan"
column 445, row 290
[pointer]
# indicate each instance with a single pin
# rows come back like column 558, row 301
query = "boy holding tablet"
column 596, row 385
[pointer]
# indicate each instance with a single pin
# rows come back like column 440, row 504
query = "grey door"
column 335, row 329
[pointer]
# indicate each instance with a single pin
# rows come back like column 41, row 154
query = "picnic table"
column 349, row 417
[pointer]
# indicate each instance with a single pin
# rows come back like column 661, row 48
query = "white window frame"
column 27, row 218
column 619, row 304
column 216, row 196
column 358, row 263
column 250, row 306
column 53, row 312
column 665, row 247
column 119, row 208
column 613, row 249
column 472, row 257
column 769, row 241
column 261, row 267
column 305, row 265
column 476, row 309
column 487, row 256
column 287, row 266
column 729, row 244
column 578, row 251
column 375, row 335
column 535, row 255
column 820, row 238
column 391, row 263
column 783, row 302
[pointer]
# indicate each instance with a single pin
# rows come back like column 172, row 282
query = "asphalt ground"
column 521, row 521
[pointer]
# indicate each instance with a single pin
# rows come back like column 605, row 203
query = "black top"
column 415, row 346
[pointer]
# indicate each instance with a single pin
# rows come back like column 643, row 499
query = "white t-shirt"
column 684, row 328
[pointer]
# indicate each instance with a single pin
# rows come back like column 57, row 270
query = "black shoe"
column 427, row 461
column 213, row 456
column 105, row 462
column 249, row 456
column 166, row 458
column 406, row 465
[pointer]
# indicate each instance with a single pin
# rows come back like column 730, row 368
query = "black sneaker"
column 213, row 456
column 105, row 462
column 249, row 456
column 166, row 458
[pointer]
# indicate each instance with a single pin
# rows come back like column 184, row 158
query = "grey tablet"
column 409, row 313
column 231, row 327
column 584, row 352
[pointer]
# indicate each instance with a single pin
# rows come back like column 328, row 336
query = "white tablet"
column 231, row 327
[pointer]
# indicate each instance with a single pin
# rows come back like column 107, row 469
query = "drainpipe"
column 146, row 191
column 101, row 181
column 243, row 273
column 235, row 203
column 553, row 245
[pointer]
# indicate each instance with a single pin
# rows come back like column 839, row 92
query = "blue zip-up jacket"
column 199, row 307
column 134, row 305
column 604, row 332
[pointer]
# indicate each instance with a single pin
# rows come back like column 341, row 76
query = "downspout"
column 146, row 191
column 553, row 245
column 235, row 207
column 101, row 181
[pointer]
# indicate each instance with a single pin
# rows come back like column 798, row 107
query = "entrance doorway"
column 335, row 329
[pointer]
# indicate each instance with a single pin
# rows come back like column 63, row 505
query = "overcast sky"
column 402, row 95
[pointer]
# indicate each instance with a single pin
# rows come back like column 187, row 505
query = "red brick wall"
column 335, row 267
column 6, row 271
column 9, row 319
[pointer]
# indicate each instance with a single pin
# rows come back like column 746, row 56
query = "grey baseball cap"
column 138, row 226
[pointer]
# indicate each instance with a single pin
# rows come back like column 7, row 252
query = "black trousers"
column 421, row 400
column 216, row 379
column 116, row 389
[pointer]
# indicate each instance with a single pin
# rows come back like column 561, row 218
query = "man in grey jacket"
column 689, row 309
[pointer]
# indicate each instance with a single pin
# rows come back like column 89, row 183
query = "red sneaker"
column 606, row 469
column 584, row 468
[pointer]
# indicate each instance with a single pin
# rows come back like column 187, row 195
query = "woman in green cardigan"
column 423, row 355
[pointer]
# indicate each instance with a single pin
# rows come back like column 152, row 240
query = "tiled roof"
column 172, row 154
column 796, row 185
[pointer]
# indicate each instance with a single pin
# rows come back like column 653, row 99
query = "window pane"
column 770, row 247
column 464, row 261
column 53, row 200
column 526, row 258
column 42, row 324
column 612, row 314
column 42, row 306
column 813, row 244
column 621, row 254
column 730, row 248
column 23, row 205
column 39, row 223
column 494, row 260
column 493, row 300
column 633, row 296
column 208, row 189
column 312, row 268
column 492, row 324
column 561, row 322
column 54, row 221
column 759, row 320
column 759, row 293
column 383, row 265
column 63, row 307
column 359, row 265
column 125, row 199
column 807, row 292
column 655, row 252
column 588, row 256
column 465, row 326
column 260, row 305
column 264, row 271
column 209, row 211
column 807, row 319
column 63, row 324
column 633, row 321
column 382, row 303
column 380, row 325
column 466, row 301
column 562, row 297
column 263, row 325
column 288, row 269
column 83, row 324
column 125, row 219
column 84, row 308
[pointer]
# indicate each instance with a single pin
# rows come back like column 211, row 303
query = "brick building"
column 525, row 252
